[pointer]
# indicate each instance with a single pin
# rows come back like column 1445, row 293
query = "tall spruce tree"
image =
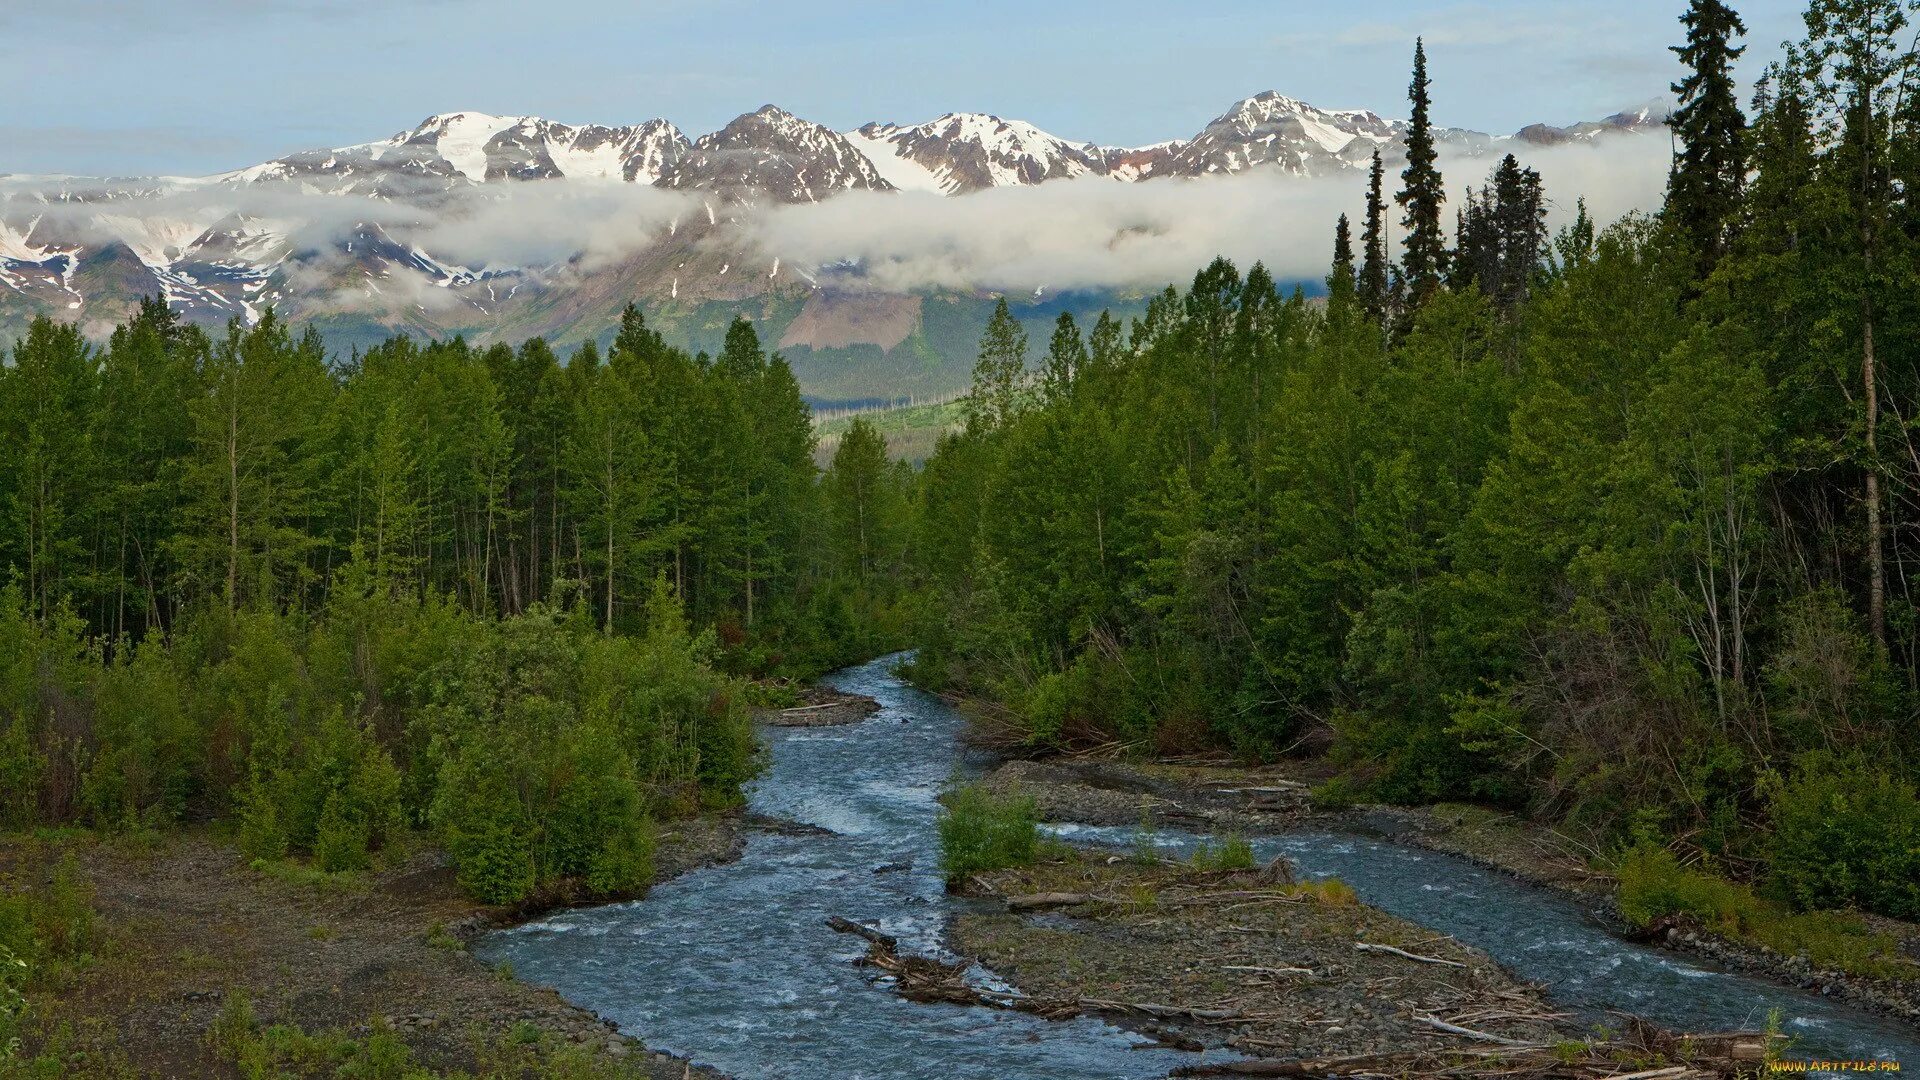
column 1372, row 284
column 1340, row 281
column 1422, row 195
column 1710, row 162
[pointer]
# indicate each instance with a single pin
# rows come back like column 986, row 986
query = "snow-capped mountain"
column 773, row 154
column 962, row 152
column 452, row 149
column 348, row 233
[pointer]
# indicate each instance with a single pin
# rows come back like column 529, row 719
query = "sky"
column 190, row 87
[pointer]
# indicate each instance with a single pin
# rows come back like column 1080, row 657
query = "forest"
column 513, row 600
column 1615, row 526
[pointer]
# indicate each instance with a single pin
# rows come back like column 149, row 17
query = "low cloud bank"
column 1097, row 233
column 1089, row 233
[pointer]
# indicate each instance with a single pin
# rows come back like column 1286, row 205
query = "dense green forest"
column 1617, row 525
column 1613, row 524
column 485, row 591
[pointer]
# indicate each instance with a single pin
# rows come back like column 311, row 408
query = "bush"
column 486, row 831
column 340, row 839
column 981, row 831
column 1340, row 792
column 1846, row 836
column 1653, row 883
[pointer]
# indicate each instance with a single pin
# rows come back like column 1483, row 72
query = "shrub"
column 262, row 835
column 486, row 830
column 149, row 755
column 340, row 839
column 1846, row 836
column 981, row 831
column 1341, row 792
column 1653, row 883
column 597, row 831
column 13, row 1004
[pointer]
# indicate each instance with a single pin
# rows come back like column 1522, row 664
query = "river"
column 732, row 966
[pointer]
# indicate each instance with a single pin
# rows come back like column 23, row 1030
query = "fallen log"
column 1364, row 946
column 848, row 926
column 1036, row 901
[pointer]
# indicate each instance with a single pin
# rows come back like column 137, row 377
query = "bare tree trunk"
column 233, row 504
column 1876, row 562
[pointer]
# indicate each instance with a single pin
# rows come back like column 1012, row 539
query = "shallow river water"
column 732, row 966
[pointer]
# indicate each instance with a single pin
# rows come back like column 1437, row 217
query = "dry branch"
column 1364, row 946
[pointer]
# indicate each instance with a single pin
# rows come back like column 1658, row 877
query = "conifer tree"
column 1710, row 162
column 1340, row 281
column 1422, row 195
column 1066, row 358
column 1372, row 284
column 1000, row 371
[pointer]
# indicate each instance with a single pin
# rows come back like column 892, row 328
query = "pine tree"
column 862, row 506
column 1340, row 281
column 1000, row 372
column 1066, row 358
column 1372, row 284
column 1422, row 194
column 1710, row 163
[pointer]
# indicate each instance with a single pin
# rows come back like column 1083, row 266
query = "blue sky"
column 134, row 87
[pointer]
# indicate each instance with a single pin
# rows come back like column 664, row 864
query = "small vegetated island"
column 312, row 667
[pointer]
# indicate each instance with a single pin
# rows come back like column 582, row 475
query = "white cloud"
column 1089, row 233
column 1099, row 233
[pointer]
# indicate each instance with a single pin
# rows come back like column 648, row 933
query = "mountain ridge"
column 343, row 235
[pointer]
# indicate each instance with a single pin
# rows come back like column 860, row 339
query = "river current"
column 734, row 967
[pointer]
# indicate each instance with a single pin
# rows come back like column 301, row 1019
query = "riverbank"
column 186, row 933
column 1202, row 957
column 819, row 707
column 1272, row 799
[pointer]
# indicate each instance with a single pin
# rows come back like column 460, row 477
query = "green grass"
column 1233, row 852
column 982, row 831
column 1653, row 883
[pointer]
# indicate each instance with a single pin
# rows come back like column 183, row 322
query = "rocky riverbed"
column 1272, row 799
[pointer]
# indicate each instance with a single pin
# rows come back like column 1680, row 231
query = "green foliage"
column 981, row 831
column 1600, row 527
column 1653, row 883
column 1338, row 792
column 1233, row 852
column 1846, row 836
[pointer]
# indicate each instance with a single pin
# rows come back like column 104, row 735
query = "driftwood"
column 1438, row 1024
column 923, row 979
column 1693, row 1057
column 1365, row 946
column 848, row 926
column 1036, row 901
